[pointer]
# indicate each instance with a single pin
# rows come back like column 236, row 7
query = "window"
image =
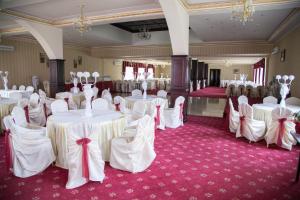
column 151, row 75
column 259, row 75
column 141, row 71
column 129, row 73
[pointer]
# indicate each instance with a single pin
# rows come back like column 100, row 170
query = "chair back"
column 242, row 100
column 231, row 107
column 270, row 99
column 158, row 107
column 34, row 100
column 139, row 109
column 95, row 91
column 22, row 87
column 143, row 126
column 107, row 97
column 246, row 110
column 14, row 87
column 294, row 101
column 30, row 88
column 120, row 103
column 162, row 93
column 58, row 106
column 105, row 91
column 136, row 92
column 241, row 90
column 100, row 104
column 19, row 117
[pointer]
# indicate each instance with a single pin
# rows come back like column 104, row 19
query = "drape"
column 258, row 68
column 136, row 65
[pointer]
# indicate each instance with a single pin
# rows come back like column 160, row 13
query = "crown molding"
column 286, row 26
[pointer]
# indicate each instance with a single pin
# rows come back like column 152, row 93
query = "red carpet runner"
column 211, row 92
column 197, row 161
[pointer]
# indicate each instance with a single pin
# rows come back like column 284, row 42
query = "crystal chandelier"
column 144, row 34
column 82, row 24
column 243, row 10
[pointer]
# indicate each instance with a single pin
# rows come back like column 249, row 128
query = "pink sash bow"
column 8, row 158
column 85, row 159
column 26, row 109
column 117, row 106
column 242, row 125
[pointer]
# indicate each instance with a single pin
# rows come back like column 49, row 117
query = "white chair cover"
column 136, row 92
column 293, row 101
column 120, row 104
column 19, row 117
column 84, row 155
column 95, row 91
column 34, row 100
column 46, row 101
column 31, row 150
column 22, row 87
column 100, row 104
column 30, row 88
column 105, row 91
column 253, row 130
column 59, row 106
column 14, row 87
column 242, row 99
column 138, row 111
column 162, row 93
column 270, row 99
column 280, row 128
column 234, row 118
column 133, row 151
column 158, row 105
column 174, row 116
column 108, row 98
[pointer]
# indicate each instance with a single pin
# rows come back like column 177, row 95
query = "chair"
column 241, row 90
column 100, row 104
column 133, row 151
column 248, row 127
column 174, row 116
column 34, row 100
column 36, row 111
column 242, row 99
column 30, row 150
column 136, row 92
column 234, row 118
column 138, row 111
column 270, row 99
column 120, row 104
column 162, row 93
column 230, row 91
column 158, row 105
column 107, row 97
column 46, row 102
column 249, row 91
column 293, row 101
column 105, row 91
column 29, row 88
column 14, row 87
column 84, row 156
column 95, row 91
column 280, row 128
column 260, row 91
column 59, row 106
column 22, row 87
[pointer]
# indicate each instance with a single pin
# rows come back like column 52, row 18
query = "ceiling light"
column 243, row 10
column 144, row 34
column 82, row 24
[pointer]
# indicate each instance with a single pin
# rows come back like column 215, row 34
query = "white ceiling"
column 231, row 60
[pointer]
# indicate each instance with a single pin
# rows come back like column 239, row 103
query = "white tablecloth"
column 132, row 99
column 110, row 124
column 7, row 93
column 6, row 106
column 77, row 98
column 264, row 111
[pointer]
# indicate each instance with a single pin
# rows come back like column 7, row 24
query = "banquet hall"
column 149, row 99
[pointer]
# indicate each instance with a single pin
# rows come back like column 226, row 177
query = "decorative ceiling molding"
column 287, row 25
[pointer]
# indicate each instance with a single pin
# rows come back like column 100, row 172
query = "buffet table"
column 109, row 124
column 263, row 112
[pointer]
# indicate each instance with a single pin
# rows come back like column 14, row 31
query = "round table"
column 110, row 124
column 130, row 100
column 77, row 98
column 6, row 106
column 7, row 93
column 263, row 112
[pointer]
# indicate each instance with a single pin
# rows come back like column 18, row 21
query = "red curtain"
column 256, row 70
column 135, row 66
column 151, row 66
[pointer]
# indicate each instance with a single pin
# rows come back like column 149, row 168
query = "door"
column 214, row 77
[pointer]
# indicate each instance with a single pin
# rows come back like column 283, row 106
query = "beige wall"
column 165, row 69
column 291, row 65
column 227, row 71
column 24, row 61
column 112, row 68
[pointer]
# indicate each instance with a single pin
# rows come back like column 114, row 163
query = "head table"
column 6, row 106
column 264, row 111
column 108, row 124
column 130, row 100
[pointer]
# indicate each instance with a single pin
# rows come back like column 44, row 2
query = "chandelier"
column 82, row 24
column 144, row 34
column 243, row 10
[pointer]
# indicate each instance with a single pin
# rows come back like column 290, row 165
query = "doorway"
column 214, row 77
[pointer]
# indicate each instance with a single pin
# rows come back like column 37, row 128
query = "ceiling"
column 206, row 25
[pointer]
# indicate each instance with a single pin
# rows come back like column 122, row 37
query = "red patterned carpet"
column 198, row 161
column 211, row 92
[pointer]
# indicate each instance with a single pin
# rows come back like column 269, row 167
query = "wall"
column 291, row 65
column 227, row 71
column 24, row 61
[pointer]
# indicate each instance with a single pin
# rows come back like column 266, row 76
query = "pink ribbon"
column 85, row 162
column 157, row 118
column 8, row 157
column 117, row 106
column 181, row 111
column 26, row 109
column 242, row 125
column 281, row 130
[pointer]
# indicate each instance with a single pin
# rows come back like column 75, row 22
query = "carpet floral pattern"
column 198, row 161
